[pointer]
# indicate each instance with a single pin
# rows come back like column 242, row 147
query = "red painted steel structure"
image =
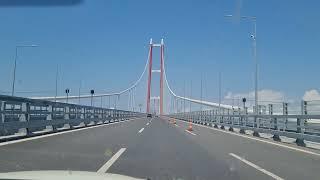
column 161, row 76
column 150, row 75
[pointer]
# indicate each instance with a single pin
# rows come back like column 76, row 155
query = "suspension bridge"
column 211, row 140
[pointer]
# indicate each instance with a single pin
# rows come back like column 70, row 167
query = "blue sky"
column 104, row 43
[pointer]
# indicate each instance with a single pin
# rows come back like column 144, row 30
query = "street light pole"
column 190, row 95
column 256, row 63
column 201, row 94
column 92, row 93
column 254, row 44
column 109, row 102
column 219, row 93
column 184, row 100
column 14, row 71
column 140, row 105
column 79, row 92
column 55, row 97
column 15, row 65
column 67, row 92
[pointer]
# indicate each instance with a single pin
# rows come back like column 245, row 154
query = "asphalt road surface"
column 157, row 149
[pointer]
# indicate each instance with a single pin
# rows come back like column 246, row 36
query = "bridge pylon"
column 150, row 71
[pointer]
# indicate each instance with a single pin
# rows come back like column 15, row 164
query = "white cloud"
column 229, row 95
column 270, row 95
column 310, row 95
column 265, row 96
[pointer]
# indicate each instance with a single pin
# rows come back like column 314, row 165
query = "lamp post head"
column 244, row 100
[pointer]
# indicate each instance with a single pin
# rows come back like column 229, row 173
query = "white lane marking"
column 190, row 132
column 109, row 163
column 57, row 133
column 147, row 124
column 141, row 130
column 261, row 140
column 256, row 167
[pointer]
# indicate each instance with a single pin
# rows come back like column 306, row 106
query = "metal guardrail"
column 29, row 115
column 302, row 126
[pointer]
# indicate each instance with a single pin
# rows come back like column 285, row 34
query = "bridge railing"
column 30, row 116
column 303, row 125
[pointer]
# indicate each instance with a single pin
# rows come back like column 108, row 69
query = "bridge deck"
column 162, row 151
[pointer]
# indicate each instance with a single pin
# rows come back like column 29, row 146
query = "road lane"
column 256, row 167
column 190, row 132
column 112, row 160
column 85, row 150
column 140, row 131
column 163, row 152
column 287, row 163
column 58, row 133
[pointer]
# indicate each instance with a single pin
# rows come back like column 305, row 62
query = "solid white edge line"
column 256, row 166
column 58, row 133
column 141, row 130
column 261, row 140
column 191, row 132
column 109, row 163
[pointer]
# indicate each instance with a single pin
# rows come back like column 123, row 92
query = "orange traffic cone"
column 190, row 126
